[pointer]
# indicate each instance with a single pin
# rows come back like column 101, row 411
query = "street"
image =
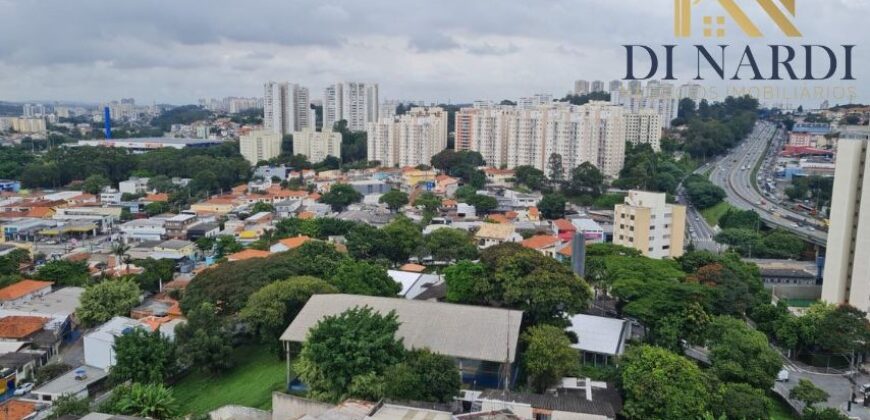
column 734, row 175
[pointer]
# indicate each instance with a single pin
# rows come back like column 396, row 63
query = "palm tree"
column 119, row 250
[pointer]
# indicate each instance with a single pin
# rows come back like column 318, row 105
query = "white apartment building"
column 261, row 145
column 691, row 91
column 286, row 107
column 598, row 86
column 513, row 136
column 317, row 145
column 615, row 85
column 658, row 98
column 23, row 124
column 408, row 140
column 847, row 268
column 355, row 102
column 535, row 100
column 644, row 127
column 581, row 87
column 647, row 223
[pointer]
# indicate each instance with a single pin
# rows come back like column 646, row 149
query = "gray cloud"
column 176, row 51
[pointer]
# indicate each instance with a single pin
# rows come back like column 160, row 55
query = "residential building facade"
column 317, row 145
column 408, row 140
column 647, row 223
column 644, row 127
column 847, row 268
column 509, row 136
column 286, row 107
column 355, row 102
column 258, row 146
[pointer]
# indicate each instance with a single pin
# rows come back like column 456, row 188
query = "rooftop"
column 68, row 384
column 295, row 242
column 23, row 288
column 247, row 255
column 462, row 331
column 18, row 326
column 541, row 241
column 571, row 402
column 17, row 409
column 596, row 334
column 497, row 231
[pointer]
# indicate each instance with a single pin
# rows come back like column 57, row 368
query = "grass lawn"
column 713, row 214
column 250, row 383
column 779, row 410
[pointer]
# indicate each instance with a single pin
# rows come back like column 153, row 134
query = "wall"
column 288, row 407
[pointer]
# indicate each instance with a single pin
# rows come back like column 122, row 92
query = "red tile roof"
column 247, row 255
column 22, row 288
column 17, row 409
column 293, row 243
column 540, row 241
column 17, row 327
column 563, row 225
column 413, row 268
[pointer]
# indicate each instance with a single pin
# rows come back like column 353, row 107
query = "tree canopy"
column 104, row 301
column 548, row 356
column 659, row 384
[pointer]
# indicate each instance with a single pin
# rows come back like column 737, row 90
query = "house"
column 144, row 229
column 415, row 284
column 289, row 244
column 79, row 382
column 286, row 208
column 20, row 327
column 499, row 177
column 16, row 409
column 176, row 226
column 593, row 233
column 247, row 255
column 564, row 228
column 24, row 363
column 99, row 343
column 599, row 339
column 549, row 245
column 23, row 291
column 174, row 249
column 575, row 399
column 219, row 206
column 491, row 234
column 483, row 340
column 58, row 306
column 291, row 407
column 203, row 230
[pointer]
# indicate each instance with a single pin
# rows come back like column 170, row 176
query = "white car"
column 23, row 389
column 782, row 376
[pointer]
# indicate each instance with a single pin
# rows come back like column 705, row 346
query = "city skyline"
column 90, row 53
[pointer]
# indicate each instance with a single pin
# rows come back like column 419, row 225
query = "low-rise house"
column 99, row 343
column 549, row 245
column 219, row 206
column 58, row 306
column 289, row 244
column 176, row 226
column 24, row 363
column 133, row 186
column 79, row 383
column 203, row 230
column 23, row 291
column 483, row 340
column 247, row 254
column 15, row 409
column 420, row 286
column 174, row 249
column 575, row 399
column 144, row 229
column 491, row 234
column 499, row 177
column 288, row 207
column 599, row 339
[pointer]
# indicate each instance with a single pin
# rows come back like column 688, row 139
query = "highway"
column 700, row 233
column 734, row 174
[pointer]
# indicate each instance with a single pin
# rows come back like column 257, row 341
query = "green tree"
column 157, row 207
column 144, row 357
column 423, row 376
column 340, row 196
column 94, row 184
column 153, row 401
column 50, row 371
column 450, row 245
column 429, row 201
column 844, row 331
column 262, row 207
column 394, row 199
column 160, row 183
column 64, row 273
column 548, row 356
column 659, row 384
column 104, row 301
column 741, row 354
column 466, row 282
column 270, row 309
column 203, row 341
column 530, row 176
column 703, row 193
column 552, row 206
column 403, row 239
column 555, row 168
column 483, row 204
column 69, row 405
column 157, row 272
column 808, row 393
column 363, row 278
column 340, row 348
column 826, row 413
column 586, row 179
column 546, row 290
column 740, row 401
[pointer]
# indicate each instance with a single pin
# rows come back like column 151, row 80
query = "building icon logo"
column 780, row 11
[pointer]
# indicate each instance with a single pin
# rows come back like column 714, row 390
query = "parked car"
column 23, row 389
column 782, row 376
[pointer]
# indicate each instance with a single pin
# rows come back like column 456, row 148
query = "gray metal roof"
column 596, row 334
column 564, row 401
column 461, row 331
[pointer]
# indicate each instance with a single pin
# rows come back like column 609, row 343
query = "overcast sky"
column 176, row 51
